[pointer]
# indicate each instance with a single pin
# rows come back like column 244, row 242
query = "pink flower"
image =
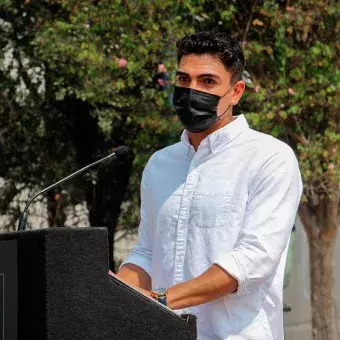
column 121, row 62
column 291, row 91
column 243, row 43
column 257, row 88
column 290, row 9
column 331, row 166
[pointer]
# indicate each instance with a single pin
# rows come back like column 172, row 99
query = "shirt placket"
column 182, row 226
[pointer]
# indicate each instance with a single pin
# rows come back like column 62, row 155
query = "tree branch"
column 298, row 138
column 249, row 21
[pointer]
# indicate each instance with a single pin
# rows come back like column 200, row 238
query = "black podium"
column 54, row 285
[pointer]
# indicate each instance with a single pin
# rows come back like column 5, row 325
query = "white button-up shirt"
column 232, row 203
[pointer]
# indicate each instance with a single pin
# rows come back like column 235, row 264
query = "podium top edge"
column 5, row 235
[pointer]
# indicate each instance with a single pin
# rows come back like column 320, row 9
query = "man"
column 218, row 207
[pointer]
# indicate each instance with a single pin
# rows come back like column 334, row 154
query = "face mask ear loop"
column 224, row 112
column 227, row 92
column 228, row 106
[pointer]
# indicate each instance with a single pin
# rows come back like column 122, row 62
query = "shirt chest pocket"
column 211, row 205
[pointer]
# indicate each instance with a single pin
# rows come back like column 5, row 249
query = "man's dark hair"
column 218, row 44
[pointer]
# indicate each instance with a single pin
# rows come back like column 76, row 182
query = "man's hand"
column 211, row 285
column 111, row 273
column 144, row 291
column 141, row 290
column 135, row 276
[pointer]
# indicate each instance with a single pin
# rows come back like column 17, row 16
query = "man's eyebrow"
column 204, row 75
column 180, row 73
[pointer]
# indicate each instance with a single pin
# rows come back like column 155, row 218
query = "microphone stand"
column 23, row 217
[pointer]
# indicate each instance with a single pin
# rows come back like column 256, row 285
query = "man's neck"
column 196, row 138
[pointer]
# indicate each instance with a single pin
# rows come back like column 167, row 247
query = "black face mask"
column 196, row 110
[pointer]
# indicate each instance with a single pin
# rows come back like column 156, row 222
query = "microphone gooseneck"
column 119, row 152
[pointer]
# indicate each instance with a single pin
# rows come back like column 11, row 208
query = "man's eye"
column 183, row 79
column 209, row 81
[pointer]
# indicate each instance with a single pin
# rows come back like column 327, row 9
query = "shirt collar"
column 220, row 137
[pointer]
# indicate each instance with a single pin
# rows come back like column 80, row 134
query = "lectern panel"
column 65, row 292
column 8, row 290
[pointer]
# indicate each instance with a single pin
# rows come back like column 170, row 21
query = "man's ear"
column 238, row 91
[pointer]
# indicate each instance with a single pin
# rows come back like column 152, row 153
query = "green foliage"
column 102, row 53
column 301, row 95
column 78, row 50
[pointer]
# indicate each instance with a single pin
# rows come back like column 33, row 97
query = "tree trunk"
column 321, row 223
column 321, row 278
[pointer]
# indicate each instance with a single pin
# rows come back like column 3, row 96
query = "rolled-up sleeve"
column 141, row 253
column 274, row 196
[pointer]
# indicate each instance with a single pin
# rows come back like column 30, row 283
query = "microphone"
column 119, row 152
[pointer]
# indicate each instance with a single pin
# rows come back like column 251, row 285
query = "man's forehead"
column 196, row 65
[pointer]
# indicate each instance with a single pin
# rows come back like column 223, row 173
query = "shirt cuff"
column 139, row 261
column 232, row 266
